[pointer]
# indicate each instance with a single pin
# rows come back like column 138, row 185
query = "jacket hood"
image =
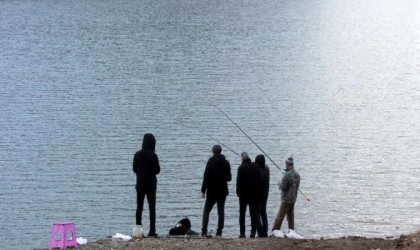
column 260, row 160
column 149, row 142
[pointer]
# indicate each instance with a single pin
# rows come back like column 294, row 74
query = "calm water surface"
column 335, row 84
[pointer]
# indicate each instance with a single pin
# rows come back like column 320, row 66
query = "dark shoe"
column 152, row 234
column 252, row 236
column 242, row 236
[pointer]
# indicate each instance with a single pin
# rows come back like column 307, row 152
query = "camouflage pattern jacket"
column 289, row 186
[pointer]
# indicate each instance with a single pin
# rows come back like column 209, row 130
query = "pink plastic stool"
column 63, row 235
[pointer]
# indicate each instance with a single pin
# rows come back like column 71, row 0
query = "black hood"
column 260, row 160
column 149, row 142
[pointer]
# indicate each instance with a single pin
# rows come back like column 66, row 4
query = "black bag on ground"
column 183, row 227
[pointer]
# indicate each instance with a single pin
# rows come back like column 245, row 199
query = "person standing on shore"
column 289, row 188
column 247, row 189
column 146, row 167
column 215, row 189
column 262, row 221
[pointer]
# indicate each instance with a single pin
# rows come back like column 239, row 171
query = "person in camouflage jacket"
column 289, row 188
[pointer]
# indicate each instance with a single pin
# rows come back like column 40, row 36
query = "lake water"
column 336, row 84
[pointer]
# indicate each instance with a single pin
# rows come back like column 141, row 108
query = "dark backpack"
column 186, row 223
column 181, row 228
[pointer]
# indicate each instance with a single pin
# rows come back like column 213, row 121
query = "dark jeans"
column 250, row 201
column 208, row 206
column 262, row 221
column 151, row 199
column 285, row 209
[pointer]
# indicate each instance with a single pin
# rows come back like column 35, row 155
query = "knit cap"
column 289, row 160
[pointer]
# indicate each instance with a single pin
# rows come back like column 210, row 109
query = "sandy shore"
column 411, row 241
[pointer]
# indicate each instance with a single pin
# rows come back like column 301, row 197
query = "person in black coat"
column 262, row 221
column 215, row 188
column 247, row 188
column 146, row 167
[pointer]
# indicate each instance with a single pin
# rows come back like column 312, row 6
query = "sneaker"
column 242, row 236
column 252, row 236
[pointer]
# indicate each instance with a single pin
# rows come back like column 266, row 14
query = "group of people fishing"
column 252, row 188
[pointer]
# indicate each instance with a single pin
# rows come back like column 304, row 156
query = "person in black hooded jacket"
column 216, row 176
column 262, row 221
column 146, row 166
column 247, row 188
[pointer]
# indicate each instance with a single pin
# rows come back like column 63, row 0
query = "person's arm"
column 284, row 186
column 157, row 166
column 238, row 182
column 228, row 172
column 135, row 164
column 205, row 181
column 297, row 183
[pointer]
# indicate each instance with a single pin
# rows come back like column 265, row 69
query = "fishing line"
column 305, row 197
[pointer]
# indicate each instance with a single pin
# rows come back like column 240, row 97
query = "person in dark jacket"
column 247, row 189
column 146, row 166
column 262, row 222
column 215, row 189
column 289, row 188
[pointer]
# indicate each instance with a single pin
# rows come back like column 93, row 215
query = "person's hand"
column 203, row 195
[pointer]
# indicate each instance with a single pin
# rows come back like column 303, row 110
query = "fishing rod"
column 305, row 197
column 221, row 143
column 214, row 139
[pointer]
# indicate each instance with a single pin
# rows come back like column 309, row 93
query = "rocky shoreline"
column 407, row 242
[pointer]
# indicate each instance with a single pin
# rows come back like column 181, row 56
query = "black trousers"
column 151, row 199
column 250, row 201
column 208, row 206
column 262, row 220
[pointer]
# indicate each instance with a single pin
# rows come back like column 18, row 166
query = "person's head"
column 289, row 162
column 149, row 142
column 244, row 156
column 217, row 149
column 260, row 160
